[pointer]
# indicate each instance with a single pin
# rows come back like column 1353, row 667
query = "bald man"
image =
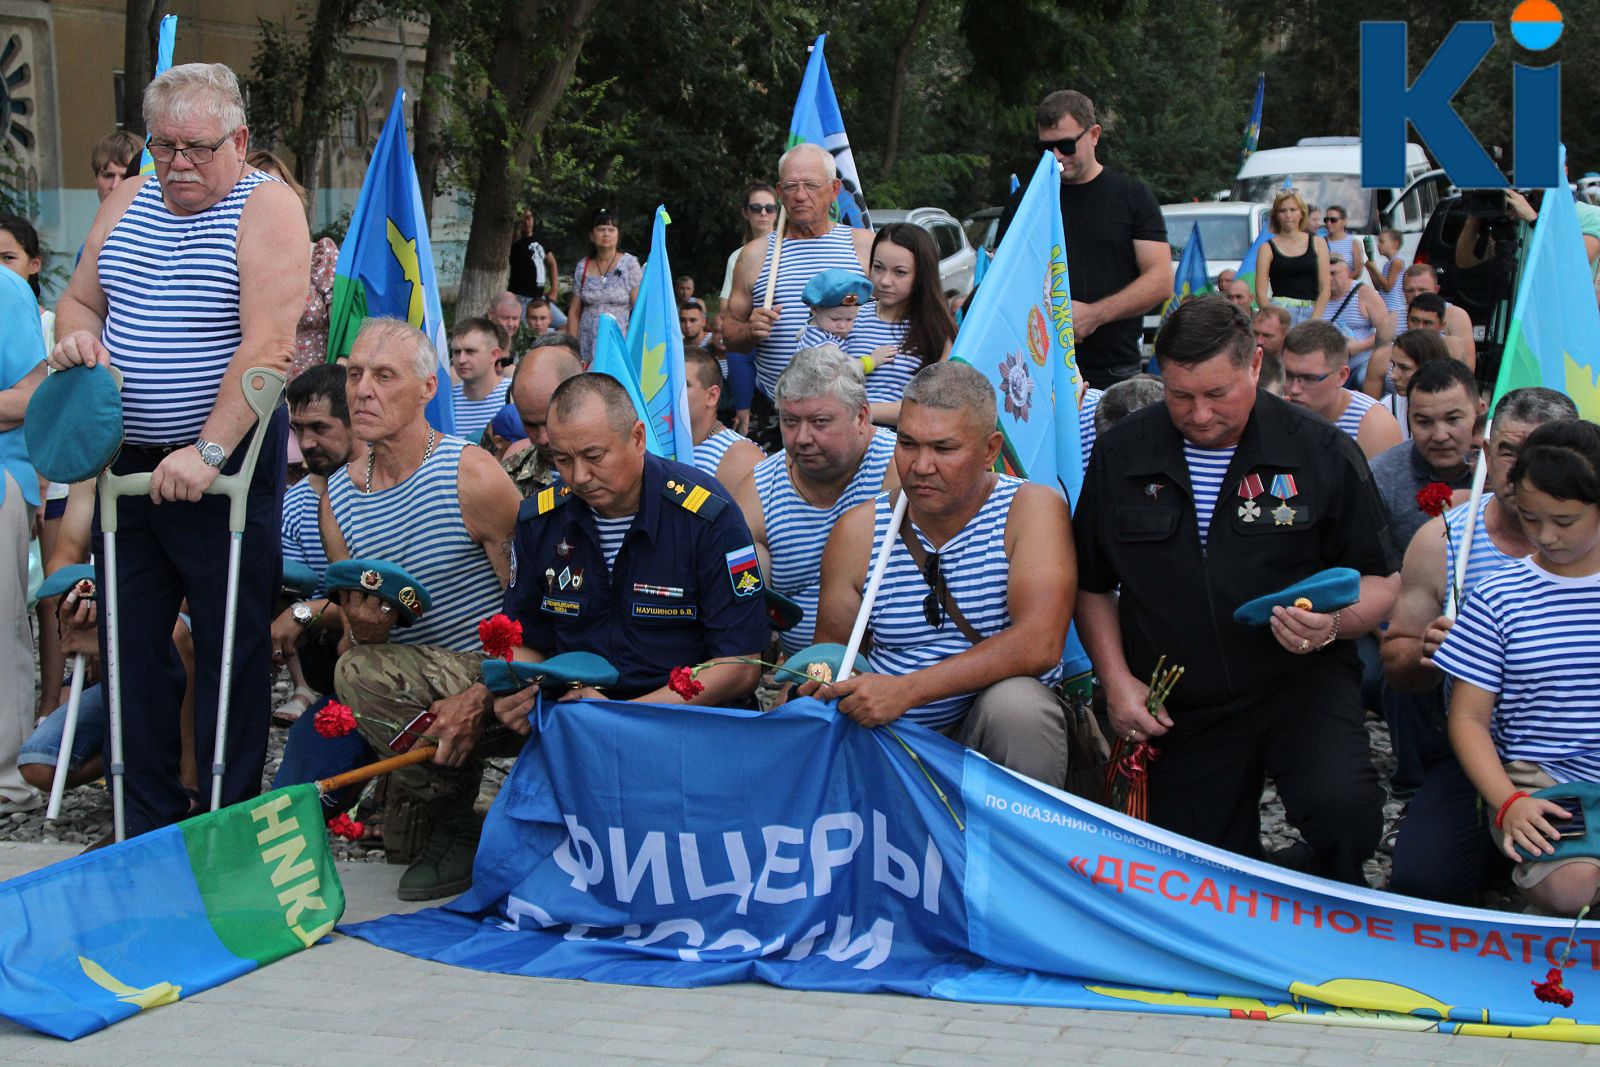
column 551, row 361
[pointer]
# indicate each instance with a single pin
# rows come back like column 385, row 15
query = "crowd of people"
column 1316, row 422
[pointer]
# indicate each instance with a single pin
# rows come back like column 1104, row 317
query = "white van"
column 1327, row 171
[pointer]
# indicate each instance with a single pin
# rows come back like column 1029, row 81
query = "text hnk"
column 296, row 879
column 795, row 863
column 1388, row 103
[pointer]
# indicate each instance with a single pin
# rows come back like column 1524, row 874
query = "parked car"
column 1327, row 170
column 958, row 263
column 1227, row 229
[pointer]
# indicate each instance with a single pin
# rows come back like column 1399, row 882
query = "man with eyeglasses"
column 1118, row 258
column 969, row 622
column 187, row 281
column 1189, row 510
column 808, row 185
column 1316, row 364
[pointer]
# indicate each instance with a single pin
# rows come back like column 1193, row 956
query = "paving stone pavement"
column 348, row 1004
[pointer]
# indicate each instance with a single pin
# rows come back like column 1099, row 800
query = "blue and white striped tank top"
column 1349, row 320
column 974, row 567
column 1345, row 247
column 172, row 310
column 418, row 524
column 798, row 532
column 803, row 259
column 887, row 382
column 1354, row 412
column 473, row 415
column 1088, row 434
column 708, row 453
column 1483, row 559
column 302, row 530
column 1394, row 299
column 1207, row 468
column 612, row 533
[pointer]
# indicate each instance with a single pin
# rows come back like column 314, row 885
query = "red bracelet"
column 1500, row 815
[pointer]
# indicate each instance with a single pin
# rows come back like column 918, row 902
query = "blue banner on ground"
column 799, row 849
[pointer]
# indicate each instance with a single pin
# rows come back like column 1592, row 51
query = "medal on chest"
column 1283, row 488
column 1249, row 489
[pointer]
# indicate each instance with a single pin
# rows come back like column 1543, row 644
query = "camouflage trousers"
column 389, row 685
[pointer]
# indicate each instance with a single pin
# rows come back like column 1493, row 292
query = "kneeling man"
column 960, row 640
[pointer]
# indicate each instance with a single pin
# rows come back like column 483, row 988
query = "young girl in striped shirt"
column 1525, row 707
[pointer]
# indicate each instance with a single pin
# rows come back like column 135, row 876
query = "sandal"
column 286, row 713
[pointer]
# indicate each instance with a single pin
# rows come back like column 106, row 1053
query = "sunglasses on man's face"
column 1065, row 145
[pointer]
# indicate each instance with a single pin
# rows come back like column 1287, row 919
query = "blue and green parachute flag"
column 1190, row 279
column 655, row 350
column 386, row 264
column 92, row 940
column 1554, row 337
column 167, row 34
column 1247, row 266
column 1252, row 129
column 817, row 120
column 611, row 357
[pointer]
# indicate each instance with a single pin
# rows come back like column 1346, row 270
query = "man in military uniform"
column 1191, row 508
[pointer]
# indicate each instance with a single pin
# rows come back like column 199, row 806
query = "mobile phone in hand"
column 1575, row 826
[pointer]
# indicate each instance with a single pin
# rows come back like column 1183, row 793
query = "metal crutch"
column 69, row 733
column 262, row 389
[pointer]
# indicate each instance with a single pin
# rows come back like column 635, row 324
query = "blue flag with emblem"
column 655, row 351
column 611, row 357
column 1190, row 279
column 166, row 37
column 817, row 120
column 798, row 848
column 1252, row 129
column 386, row 263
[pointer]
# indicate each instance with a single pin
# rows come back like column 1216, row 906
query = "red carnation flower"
column 346, row 827
column 1551, row 991
column 500, row 635
column 683, row 682
column 1434, row 497
column 334, row 720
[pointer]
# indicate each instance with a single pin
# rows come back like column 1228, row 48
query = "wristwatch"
column 211, row 453
column 301, row 613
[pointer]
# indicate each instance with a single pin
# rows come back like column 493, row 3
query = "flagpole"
column 777, row 255
column 1468, row 528
column 880, row 563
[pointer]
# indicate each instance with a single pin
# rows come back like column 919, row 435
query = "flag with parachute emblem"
column 1190, row 279
column 655, row 351
column 386, row 263
column 817, row 120
column 611, row 358
column 1252, row 129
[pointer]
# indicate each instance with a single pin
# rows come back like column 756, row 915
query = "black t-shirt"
column 1100, row 220
column 527, row 267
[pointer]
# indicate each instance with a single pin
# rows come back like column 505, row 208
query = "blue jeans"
column 94, row 723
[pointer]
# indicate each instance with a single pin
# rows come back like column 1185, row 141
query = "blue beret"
column 508, row 424
column 298, row 578
column 831, row 655
column 784, row 612
column 836, row 287
column 64, row 579
column 73, row 425
column 1329, row 590
column 388, row 581
column 568, row 670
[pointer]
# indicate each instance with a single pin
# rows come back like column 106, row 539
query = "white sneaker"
column 32, row 802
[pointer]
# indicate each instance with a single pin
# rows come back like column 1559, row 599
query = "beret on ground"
column 568, row 670
column 73, row 425
column 1329, row 590
column 385, row 580
column 806, row 665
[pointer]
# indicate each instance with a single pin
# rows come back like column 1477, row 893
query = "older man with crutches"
column 190, row 281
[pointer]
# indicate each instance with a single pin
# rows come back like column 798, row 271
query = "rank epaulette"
column 548, row 499
column 695, row 499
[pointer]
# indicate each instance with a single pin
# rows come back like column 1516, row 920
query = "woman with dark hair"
column 605, row 282
column 908, row 323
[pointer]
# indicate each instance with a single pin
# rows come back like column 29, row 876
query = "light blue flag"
column 611, row 357
column 1190, row 279
column 655, row 351
column 1247, row 266
column 1252, row 129
column 1554, row 337
column 386, row 264
column 166, row 37
column 817, row 120
column 1018, row 332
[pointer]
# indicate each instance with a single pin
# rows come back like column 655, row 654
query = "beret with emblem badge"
column 818, row 663
column 1323, row 592
column 387, row 581
column 836, row 287
column 570, row 670
column 65, row 578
